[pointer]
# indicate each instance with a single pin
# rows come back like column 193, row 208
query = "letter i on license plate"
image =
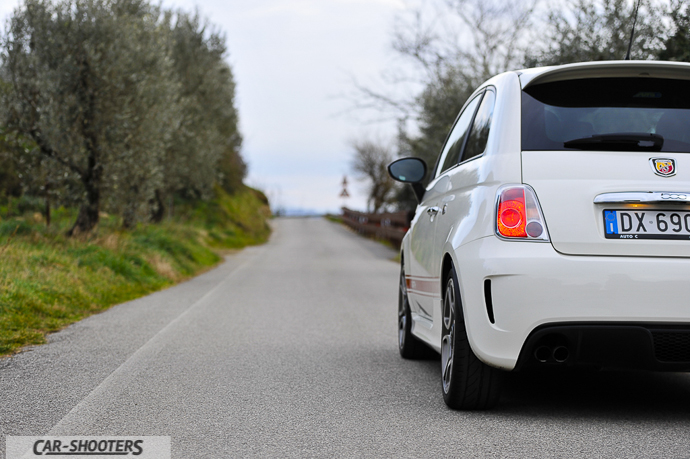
column 647, row 224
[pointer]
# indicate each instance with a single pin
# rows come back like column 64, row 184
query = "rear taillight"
column 518, row 215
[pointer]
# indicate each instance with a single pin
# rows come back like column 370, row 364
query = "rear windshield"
column 564, row 111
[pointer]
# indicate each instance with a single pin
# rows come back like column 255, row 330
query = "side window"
column 476, row 143
column 451, row 151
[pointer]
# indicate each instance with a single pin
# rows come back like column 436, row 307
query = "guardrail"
column 388, row 226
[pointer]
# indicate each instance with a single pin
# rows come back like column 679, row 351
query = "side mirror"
column 409, row 170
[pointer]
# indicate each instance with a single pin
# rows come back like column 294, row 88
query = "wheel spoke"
column 401, row 332
column 402, row 322
column 448, row 341
column 402, row 311
column 449, row 305
column 447, row 371
column 446, row 360
column 451, row 321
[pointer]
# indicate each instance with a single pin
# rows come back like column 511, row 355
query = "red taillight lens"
column 518, row 214
column 512, row 217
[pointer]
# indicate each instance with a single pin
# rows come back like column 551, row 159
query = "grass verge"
column 48, row 281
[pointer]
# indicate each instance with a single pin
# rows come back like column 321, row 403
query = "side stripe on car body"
column 427, row 286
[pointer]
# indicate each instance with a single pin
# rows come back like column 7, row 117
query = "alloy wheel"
column 448, row 341
column 402, row 311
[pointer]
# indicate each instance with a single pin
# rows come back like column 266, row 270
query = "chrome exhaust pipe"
column 561, row 354
column 542, row 354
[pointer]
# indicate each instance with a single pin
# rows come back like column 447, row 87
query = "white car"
column 555, row 228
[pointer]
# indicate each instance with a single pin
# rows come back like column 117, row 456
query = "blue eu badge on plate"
column 611, row 222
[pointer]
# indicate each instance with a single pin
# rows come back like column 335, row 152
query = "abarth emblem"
column 664, row 167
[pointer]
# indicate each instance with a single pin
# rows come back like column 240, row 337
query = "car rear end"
column 606, row 157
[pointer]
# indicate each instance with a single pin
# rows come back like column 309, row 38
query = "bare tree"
column 475, row 39
column 467, row 40
column 370, row 161
column 454, row 45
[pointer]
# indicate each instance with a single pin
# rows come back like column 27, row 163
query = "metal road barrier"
column 387, row 226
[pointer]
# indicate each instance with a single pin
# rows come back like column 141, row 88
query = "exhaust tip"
column 542, row 354
column 561, row 354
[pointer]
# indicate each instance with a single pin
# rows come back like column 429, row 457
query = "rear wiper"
column 640, row 141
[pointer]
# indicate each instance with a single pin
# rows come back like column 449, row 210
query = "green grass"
column 48, row 281
column 334, row 218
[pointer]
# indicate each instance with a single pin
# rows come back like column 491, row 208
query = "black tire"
column 467, row 382
column 409, row 346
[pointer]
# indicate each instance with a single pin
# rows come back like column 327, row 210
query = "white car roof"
column 604, row 69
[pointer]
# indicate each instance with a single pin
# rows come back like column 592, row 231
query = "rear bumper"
column 620, row 346
column 533, row 287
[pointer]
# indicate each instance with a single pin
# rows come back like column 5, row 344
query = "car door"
column 423, row 281
column 458, row 201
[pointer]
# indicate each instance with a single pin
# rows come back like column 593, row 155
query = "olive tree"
column 676, row 46
column 93, row 87
column 203, row 148
column 596, row 30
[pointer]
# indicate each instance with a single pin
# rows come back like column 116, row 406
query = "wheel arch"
column 404, row 246
column 450, row 262
column 446, row 265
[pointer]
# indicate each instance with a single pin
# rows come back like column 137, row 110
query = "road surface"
column 289, row 350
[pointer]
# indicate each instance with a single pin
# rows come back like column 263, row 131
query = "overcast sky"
column 292, row 61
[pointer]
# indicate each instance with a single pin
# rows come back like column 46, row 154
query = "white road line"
column 149, row 350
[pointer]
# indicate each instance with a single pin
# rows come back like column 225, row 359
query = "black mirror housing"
column 409, row 170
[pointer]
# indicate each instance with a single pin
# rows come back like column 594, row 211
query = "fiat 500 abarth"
column 554, row 229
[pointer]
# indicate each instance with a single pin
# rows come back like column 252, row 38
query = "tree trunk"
column 91, row 174
column 157, row 208
column 86, row 220
column 47, row 204
column 88, row 212
column 47, row 211
column 129, row 217
column 129, row 214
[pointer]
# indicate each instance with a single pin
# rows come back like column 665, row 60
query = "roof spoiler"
column 608, row 69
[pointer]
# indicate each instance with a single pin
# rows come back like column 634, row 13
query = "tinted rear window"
column 558, row 112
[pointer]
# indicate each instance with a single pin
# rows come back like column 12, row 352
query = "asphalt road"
column 289, row 350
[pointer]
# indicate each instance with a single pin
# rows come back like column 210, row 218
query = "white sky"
column 292, row 61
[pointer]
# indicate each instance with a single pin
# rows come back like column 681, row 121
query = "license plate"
column 647, row 224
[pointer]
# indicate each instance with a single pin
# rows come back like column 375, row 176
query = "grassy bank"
column 48, row 281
